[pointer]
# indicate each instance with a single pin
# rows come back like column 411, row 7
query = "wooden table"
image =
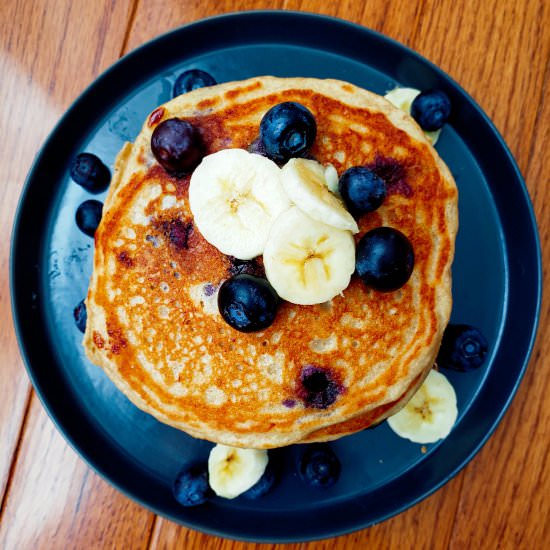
column 498, row 50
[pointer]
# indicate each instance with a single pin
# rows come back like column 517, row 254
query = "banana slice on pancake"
column 234, row 196
column 402, row 98
column 232, row 471
column 306, row 185
column 430, row 414
column 306, row 261
column 331, row 178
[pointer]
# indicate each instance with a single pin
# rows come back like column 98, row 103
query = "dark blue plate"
column 497, row 280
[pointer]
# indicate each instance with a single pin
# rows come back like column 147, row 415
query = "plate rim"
column 42, row 391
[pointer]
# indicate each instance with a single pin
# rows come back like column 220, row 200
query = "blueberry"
column 88, row 216
column 384, row 259
column 191, row 486
column 287, row 130
column 362, row 190
column 88, row 171
column 177, row 145
column 463, row 348
column 192, row 80
column 247, row 303
column 263, row 485
column 319, row 466
column 317, row 387
column 431, row 109
column 80, row 316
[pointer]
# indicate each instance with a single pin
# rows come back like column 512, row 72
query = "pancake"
column 153, row 321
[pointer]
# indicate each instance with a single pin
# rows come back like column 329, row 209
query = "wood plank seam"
column 123, row 48
column 457, row 505
column 30, row 391
column 538, row 117
column 58, row 54
column 129, row 26
column 152, row 532
column 535, row 357
column 17, row 450
column 81, row 493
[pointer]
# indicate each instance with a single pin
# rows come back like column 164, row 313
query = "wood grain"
column 516, row 496
column 75, row 508
column 47, row 58
column 497, row 50
column 167, row 535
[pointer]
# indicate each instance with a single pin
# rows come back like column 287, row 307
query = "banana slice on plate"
column 307, row 261
column 402, row 98
column 306, row 185
column 232, row 471
column 430, row 414
column 234, row 196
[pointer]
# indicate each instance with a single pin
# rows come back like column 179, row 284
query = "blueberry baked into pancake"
column 273, row 262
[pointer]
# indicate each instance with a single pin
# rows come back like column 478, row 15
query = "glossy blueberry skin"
column 192, row 80
column 287, row 131
column 463, row 348
column 319, row 466
column 177, row 146
column 88, row 216
column 247, row 303
column 89, row 172
column 362, row 190
column 191, row 486
column 80, row 315
column 384, row 259
column 263, row 485
column 431, row 109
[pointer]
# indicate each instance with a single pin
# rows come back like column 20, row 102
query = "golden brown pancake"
column 318, row 372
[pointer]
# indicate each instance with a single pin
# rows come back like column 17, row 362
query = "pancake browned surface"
column 153, row 322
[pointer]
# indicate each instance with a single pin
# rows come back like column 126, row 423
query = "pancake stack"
column 319, row 371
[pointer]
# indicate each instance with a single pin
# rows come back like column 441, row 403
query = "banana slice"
column 402, row 98
column 305, row 184
column 307, row 261
column 331, row 178
column 232, row 471
column 234, row 196
column 430, row 414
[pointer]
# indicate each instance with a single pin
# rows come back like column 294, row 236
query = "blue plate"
column 496, row 274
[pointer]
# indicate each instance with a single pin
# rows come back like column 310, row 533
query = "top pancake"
column 153, row 322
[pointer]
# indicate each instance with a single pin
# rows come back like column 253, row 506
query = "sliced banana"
column 331, row 178
column 307, row 261
column 305, row 184
column 430, row 414
column 402, row 98
column 232, row 471
column 234, row 196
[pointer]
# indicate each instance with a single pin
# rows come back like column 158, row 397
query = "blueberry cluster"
column 88, row 171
